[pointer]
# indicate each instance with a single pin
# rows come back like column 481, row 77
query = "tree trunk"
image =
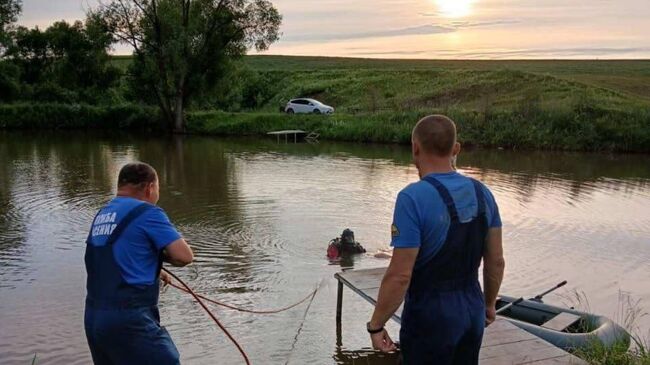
column 179, row 107
column 179, row 120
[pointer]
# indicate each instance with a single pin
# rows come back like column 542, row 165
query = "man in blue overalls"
column 129, row 239
column 443, row 227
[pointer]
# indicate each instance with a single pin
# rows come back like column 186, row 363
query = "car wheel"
column 289, row 111
column 316, row 111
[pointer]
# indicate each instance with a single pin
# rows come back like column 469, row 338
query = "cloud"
column 468, row 24
column 417, row 30
column 589, row 52
column 386, row 53
column 539, row 53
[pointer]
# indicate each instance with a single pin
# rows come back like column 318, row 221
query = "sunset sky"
column 438, row 28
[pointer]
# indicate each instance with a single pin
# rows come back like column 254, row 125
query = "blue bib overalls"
column 121, row 320
column 444, row 310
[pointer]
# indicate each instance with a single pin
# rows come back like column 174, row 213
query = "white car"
column 307, row 106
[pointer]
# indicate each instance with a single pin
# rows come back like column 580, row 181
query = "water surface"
column 259, row 216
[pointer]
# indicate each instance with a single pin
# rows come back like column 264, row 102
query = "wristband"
column 375, row 331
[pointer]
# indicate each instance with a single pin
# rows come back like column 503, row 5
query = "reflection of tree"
column 571, row 173
column 12, row 227
column 200, row 195
column 574, row 174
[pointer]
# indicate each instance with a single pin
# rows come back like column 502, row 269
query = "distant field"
column 631, row 77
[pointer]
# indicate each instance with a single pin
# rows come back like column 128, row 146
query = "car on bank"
column 307, row 106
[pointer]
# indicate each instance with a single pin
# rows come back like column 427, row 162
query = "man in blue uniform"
column 129, row 239
column 443, row 227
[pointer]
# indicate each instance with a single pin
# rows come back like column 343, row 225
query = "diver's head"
column 347, row 236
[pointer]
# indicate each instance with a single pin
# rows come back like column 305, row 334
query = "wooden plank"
column 561, row 321
column 363, row 279
column 297, row 131
column 562, row 360
column 521, row 352
column 508, row 336
column 503, row 342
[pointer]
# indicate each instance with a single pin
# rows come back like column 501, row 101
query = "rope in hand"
column 198, row 299
column 270, row 311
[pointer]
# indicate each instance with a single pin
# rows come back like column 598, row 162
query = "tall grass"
column 634, row 352
column 582, row 128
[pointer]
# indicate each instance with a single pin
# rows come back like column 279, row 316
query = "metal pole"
column 339, row 303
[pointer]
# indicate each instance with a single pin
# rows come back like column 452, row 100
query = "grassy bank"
column 78, row 116
column 585, row 128
column 579, row 127
column 563, row 105
column 559, row 105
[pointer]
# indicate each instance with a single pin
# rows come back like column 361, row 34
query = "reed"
column 628, row 314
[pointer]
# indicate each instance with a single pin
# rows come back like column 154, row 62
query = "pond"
column 259, row 216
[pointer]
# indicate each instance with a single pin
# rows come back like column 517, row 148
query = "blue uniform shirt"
column 138, row 249
column 421, row 218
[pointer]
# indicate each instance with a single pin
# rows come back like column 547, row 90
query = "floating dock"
column 503, row 342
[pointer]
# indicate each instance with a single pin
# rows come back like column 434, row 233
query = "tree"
column 64, row 62
column 184, row 47
column 9, row 11
column 9, row 87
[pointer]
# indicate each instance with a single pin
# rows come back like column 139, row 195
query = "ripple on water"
column 260, row 241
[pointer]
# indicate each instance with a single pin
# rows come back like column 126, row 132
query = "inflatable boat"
column 565, row 328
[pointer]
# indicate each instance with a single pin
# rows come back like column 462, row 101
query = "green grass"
column 633, row 352
column 579, row 128
column 631, row 77
column 564, row 105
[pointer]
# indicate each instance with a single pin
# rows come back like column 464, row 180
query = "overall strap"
column 445, row 195
column 124, row 223
column 480, row 197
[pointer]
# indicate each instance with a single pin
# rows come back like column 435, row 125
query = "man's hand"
column 165, row 278
column 381, row 341
column 490, row 315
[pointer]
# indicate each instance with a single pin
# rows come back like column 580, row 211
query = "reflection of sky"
column 441, row 28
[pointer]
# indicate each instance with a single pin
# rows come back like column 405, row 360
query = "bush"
column 78, row 116
column 598, row 129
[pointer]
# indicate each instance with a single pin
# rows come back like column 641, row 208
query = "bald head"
column 436, row 134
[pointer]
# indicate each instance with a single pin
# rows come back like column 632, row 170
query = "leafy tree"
column 64, row 61
column 184, row 48
column 9, row 85
column 9, row 11
column 30, row 52
column 9, row 81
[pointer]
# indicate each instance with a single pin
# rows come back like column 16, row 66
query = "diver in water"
column 344, row 245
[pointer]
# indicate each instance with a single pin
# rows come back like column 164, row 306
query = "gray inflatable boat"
column 566, row 328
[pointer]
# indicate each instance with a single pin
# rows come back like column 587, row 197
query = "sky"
column 438, row 29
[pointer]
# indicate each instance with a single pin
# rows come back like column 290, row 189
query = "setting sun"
column 455, row 8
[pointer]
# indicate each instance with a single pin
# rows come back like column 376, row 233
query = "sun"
column 454, row 8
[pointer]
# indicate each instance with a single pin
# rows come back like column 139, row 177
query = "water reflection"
column 260, row 215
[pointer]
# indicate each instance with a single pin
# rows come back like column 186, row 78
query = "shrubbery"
column 599, row 130
column 78, row 116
